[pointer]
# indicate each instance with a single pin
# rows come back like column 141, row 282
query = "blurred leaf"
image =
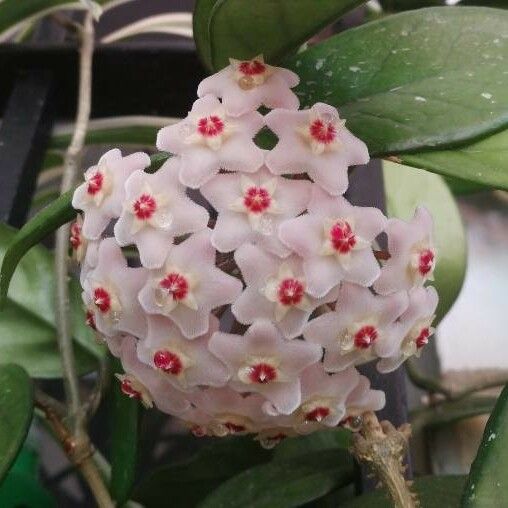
column 484, row 162
column 406, row 5
column 487, row 483
column 27, row 330
column 16, row 408
column 405, row 189
column 189, row 482
column 285, row 483
column 20, row 490
column 461, row 187
column 125, row 413
column 451, row 411
column 200, row 19
column 433, row 491
column 13, row 13
column 419, row 79
column 242, row 30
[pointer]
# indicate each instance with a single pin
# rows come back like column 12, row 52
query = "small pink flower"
column 189, row 286
column 276, row 290
column 185, row 363
column 223, row 411
column 412, row 251
column 262, row 361
column 209, row 140
column 246, row 85
column 110, row 293
column 363, row 399
column 314, row 141
column 155, row 211
column 413, row 329
column 335, row 241
column 251, row 207
column 145, row 384
column 361, row 324
column 102, row 193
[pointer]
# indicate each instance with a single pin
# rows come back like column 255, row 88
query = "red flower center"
column 234, row 427
column 168, row 362
column 426, row 261
column 342, row 237
column 290, row 292
column 198, row 431
column 262, row 373
column 95, row 183
column 210, row 126
column 423, row 338
column 102, row 299
column 257, row 199
column 90, row 320
column 252, row 67
column 75, row 238
column 144, row 207
column 323, row 132
column 176, row 285
column 317, row 414
column 129, row 390
column 365, row 336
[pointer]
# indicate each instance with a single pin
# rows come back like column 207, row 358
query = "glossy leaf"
column 461, row 187
column 405, row 189
column 285, row 483
column 241, row 29
column 125, row 414
column 487, row 484
column 189, row 482
column 16, row 408
column 414, row 80
column 484, row 162
column 200, row 20
column 13, row 13
column 27, row 330
column 433, row 491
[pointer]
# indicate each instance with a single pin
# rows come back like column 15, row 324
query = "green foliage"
column 433, row 491
column 27, row 329
column 239, row 29
column 20, row 490
column 420, row 79
column 484, row 162
column 405, row 189
column 125, row 413
column 16, row 407
column 487, row 484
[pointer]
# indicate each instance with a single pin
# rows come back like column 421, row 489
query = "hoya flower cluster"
column 247, row 308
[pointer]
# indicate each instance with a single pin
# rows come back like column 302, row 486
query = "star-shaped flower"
column 251, row 207
column 145, row 384
column 155, row 211
column 209, row 140
column 185, row 363
column 262, row 361
column 335, row 241
column 189, row 286
column 361, row 323
column 102, row 193
column 414, row 329
column 314, row 141
column 276, row 290
column 223, row 411
column 363, row 399
column 111, row 290
column 412, row 253
column 245, row 85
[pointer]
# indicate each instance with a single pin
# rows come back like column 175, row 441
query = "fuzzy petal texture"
column 412, row 254
column 155, row 211
column 101, row 196
column 209, row 140
column 189, row 286
column 251, row 208
column 262, row 361
column 314, row 141
column 361, row 324
column 276, row 290
column 245, row 86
